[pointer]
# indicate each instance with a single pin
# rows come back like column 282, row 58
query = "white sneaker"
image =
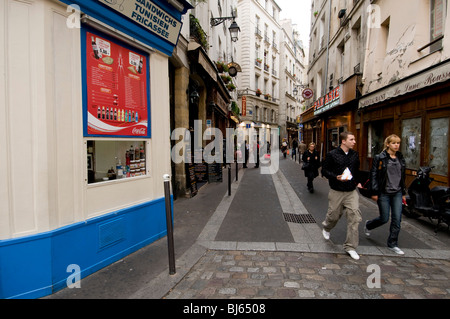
column 397, row 250
column 326, row 234
column 366, row 231
column 353, row 254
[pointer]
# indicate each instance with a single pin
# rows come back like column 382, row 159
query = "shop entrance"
column 333, row 141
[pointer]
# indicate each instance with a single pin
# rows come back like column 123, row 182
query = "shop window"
column 411, row 142
column 438, row 10
column 375, row 143
column 333, row 137
column 110, row 160
column 438, row 150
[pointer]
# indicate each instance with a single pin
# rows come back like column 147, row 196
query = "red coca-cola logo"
column 138, row 131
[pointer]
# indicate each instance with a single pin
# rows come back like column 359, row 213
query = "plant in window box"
column 231, row 87
column 259, row 60
column 221, row 66
column 258, row 92
column 267, row 96
column 225, row 78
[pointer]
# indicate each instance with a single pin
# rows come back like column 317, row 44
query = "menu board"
column 192, row 179
column 116, row 89
column 215, row 172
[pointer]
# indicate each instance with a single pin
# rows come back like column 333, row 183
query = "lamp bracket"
column 216, row 21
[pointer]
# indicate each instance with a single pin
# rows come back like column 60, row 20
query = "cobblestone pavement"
column 280, row 275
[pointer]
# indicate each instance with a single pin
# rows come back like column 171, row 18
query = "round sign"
column 307, row 93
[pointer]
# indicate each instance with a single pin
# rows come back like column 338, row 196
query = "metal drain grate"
column 299, row 218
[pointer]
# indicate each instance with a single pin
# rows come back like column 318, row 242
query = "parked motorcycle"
column 422, row 201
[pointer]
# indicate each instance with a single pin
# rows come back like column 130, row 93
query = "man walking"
column 301, row 150
column 341, row 168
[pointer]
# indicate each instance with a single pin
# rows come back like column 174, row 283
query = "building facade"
column 336, row 57
column 204, row 94
column 292, row 81
column 259, row 57
column 406, row 83
column 85, row 105
column 378, row 68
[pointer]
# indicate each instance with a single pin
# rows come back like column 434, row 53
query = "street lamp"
column 234, row 31
column 234, row 28
column 302, row 86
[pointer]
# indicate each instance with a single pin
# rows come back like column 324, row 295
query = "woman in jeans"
column 388, row 189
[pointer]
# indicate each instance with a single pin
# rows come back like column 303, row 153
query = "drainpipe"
column 324, row 89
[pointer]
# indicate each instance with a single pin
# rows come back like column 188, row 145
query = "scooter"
column 422, row 201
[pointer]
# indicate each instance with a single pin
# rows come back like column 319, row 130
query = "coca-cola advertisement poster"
column 116, row 90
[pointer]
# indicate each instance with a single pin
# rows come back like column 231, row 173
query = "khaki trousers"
column 338, row 203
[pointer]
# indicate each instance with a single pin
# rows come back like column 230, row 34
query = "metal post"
column 237, row 170
column 170, row 243
column 229, row 180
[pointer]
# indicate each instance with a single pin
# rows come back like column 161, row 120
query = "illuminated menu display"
column 116, row 89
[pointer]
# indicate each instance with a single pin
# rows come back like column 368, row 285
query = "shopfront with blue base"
column 60, row 218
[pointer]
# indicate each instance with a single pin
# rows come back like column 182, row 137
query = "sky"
column 299, row 11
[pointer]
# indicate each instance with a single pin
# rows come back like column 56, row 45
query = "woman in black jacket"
column 388, row 189
column 311, row 163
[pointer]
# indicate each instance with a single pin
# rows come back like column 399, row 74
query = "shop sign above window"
column 330, row 100
column 149, row 15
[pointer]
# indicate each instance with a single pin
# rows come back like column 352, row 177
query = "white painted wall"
column 42, row 148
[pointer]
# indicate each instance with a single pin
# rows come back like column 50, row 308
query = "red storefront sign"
column 116, row 89
column 330, row 100
column 244, row 106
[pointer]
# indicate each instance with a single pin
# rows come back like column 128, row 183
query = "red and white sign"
column 116, row 89
column 330, row 100
column 244, row 106
column 307, row 93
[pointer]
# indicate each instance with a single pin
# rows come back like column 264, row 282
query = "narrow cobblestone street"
column 251, row 274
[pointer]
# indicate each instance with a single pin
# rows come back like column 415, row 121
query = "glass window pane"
column 376, row 143
column 439, row 145
column 108, row 160
column 410, row 146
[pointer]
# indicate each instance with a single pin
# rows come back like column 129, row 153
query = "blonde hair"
column 389, row 139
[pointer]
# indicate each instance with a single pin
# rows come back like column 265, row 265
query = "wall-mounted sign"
column 116, row 89
column 438, row 74
column 330, row 100
column 244, row 106
column 149, row 15
column 307, row 93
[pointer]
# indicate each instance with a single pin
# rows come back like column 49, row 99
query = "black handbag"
column 305, row 165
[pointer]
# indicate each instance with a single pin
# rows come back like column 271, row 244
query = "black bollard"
column 170, row 242
column 237, row 170
column 229, row 180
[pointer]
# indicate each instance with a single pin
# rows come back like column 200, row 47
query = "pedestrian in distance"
column 294, row 149
column 387, row 178
column 284, row 146
column 341, row 168
column 311, row 163
column 301, row 149
column 257, row 154
column 246, row 151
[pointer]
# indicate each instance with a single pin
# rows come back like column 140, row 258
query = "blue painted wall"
column 36, row 266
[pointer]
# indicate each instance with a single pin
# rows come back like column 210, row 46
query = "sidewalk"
column 241, row 246
column 304, row 265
